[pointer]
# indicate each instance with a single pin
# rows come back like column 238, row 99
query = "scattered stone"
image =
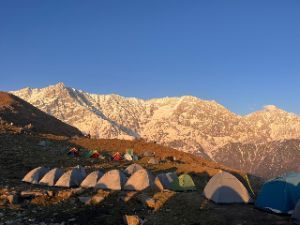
column 65, row 194
column 85, row 200
column 77, row 191
column 96, row 199
column 128, row 196
column 50, row 193
column 12, row 199
column 72, row 220
column 28, row 194
column 131, row 220
column 146, row 200
column 3, row 200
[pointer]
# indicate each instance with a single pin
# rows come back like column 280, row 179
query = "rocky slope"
column 18, row 115
column 186, row 123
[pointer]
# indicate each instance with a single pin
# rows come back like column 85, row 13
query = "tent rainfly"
column 183, row 183
column 139, row 181
column 281, row 194
column 132, row 169
column 164, row 180
column 91, row 180
column 35, row 175
column 51, row 177
column 112, row 180
column 226, row 188
column 71, row 178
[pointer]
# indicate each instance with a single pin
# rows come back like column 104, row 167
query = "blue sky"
column 243, row 54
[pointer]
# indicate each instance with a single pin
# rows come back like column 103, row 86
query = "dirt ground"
column 21, row 153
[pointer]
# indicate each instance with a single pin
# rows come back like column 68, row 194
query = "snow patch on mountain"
column 186, row 123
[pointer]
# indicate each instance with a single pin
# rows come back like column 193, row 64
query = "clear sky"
column 243, row 54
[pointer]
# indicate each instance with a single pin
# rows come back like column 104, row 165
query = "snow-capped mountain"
column 186, row 123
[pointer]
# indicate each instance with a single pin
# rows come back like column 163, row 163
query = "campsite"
column 76, row 189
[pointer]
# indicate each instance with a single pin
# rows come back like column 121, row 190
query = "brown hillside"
column 16, row 114
column 21, row 153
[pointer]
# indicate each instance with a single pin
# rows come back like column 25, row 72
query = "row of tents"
column 133, row 178
column 117, row 156
column 279, row 195
column 222, row 188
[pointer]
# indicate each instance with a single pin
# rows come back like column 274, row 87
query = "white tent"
column 112, row 180
column 132, row 169
column 35, row 175
column 51, row 177
column 140, row 180
column 226, row 188
column 91, row 180
column 71, row 178
column 128, row 157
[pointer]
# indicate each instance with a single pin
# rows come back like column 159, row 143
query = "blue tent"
column 281, row 194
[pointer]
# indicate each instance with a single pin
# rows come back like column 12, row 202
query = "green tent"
column 129, row 151
column 88, row 154
column 183, row 183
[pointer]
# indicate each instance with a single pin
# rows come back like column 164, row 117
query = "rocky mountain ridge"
column 186, row 123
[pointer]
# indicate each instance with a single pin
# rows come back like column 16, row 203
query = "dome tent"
column 128, row 157
column 139, row 181
column 132, row 169
column 35, row 175
column 226, row 188
column 111, row 180
column 51, row 177
column 71, row 178
column 91, row 180
column 183, row 183
column 281, row 194
column 164, row 180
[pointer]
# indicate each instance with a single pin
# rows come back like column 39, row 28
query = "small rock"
column 131, row 220
column 50, row 193
column 1, row 214
column 12, row 199
column 128, row 196
column 3, row 201
column 96, row 199
column 65, row 194
column 72, row 220
column 27, row 194
column 146, row 200
column 85, row 200
column 77, row 191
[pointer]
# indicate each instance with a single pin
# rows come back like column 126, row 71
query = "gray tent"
column 71, row 178
column 91, row 180
column 140, row 180
column 51, row 177
column 164, row 180
column 35, row 175
column 132, row 169
column 296, row 214
column 112, row 180
column 226, row 188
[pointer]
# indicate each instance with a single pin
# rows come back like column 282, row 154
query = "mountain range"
column 265, row 143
